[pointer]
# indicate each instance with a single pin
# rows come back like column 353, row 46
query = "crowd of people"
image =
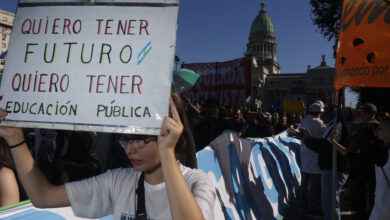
column 210, row 120
column 65, row 163
column 361, row 140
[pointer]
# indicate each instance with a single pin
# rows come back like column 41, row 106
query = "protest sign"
column 363, row 55
column 228, row 82
column 101, row 65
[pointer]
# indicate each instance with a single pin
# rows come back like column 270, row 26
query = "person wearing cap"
column 376, row 155
column 311, row 173
column 361, row 145
column 323, row 146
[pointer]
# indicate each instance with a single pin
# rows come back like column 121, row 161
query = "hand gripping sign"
column 104, row 65
column 363, row 54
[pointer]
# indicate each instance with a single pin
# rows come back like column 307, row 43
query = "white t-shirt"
column 381, row 209
column 309, row 158
column 113, row 192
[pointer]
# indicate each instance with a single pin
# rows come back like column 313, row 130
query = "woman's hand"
column 10, row 134
column 171, row 130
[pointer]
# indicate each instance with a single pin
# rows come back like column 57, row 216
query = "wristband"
column 17, row 145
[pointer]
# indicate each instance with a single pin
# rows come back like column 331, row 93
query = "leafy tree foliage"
column 326, row 16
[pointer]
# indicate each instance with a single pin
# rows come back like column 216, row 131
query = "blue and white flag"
column 254, row 179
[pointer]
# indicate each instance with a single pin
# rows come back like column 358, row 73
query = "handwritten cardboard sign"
column 363, row 55
column 90, row 66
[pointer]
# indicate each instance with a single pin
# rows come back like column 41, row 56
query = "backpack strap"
column 141, row 211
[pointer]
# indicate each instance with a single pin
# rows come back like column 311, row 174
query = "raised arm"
column 181, row 201
column 41, row 193
column 188, row 102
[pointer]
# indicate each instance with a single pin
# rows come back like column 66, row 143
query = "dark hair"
column 385, row 123
column 211, row 102
column 5, row 156
column 185, row 147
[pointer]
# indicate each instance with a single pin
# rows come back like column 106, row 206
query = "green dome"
column 262, row 25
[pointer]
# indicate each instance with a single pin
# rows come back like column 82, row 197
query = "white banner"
column 28, row 211
column 90, row 66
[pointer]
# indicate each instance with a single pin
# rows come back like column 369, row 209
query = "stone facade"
column 316, row 83
column 267, row 84
column 6, row 23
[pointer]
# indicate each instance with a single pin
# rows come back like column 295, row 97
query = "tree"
column 325, row 14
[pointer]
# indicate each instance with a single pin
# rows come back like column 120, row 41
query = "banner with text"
column 97, row 66
column 363, row 55
column 228, row 82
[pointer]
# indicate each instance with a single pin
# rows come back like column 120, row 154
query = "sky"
column 218, row 30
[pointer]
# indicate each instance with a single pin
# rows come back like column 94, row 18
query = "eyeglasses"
column 137, row 141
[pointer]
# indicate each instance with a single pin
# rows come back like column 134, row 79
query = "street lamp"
column 177, row 61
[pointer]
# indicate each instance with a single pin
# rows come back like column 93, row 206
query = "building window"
column 5, row 19
column 2, row 62
column 299, row 82
column 4, row 37
column 3, row 45
column 321, row 80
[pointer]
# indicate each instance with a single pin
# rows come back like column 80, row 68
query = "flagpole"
column 337, row 106
column 334, row 155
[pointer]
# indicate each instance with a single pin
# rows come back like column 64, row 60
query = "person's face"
column 213, row 112
column 276, row 117
column 365, row 116
column 142, row 151
column 284, row 120
column 298, row 118
column 383, row 134
column 237, row 114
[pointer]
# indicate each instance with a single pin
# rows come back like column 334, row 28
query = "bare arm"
column 9, row 191
column 41, row 193
column 192, row 106
column 340, row 148
column 181, row 201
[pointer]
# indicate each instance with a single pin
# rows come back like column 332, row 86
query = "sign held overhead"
column 90, row 65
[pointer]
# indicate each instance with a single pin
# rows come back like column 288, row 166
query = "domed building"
column 262, row 50
column 257, row 75
column 267, row 84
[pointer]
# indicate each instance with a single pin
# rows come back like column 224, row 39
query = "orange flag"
column 363, row 50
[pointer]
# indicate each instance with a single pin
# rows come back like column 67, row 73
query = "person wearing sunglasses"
column 157, row 186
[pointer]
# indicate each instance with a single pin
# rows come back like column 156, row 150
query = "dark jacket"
column 325, row 151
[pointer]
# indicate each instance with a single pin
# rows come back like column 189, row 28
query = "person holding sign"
column 157, row 187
